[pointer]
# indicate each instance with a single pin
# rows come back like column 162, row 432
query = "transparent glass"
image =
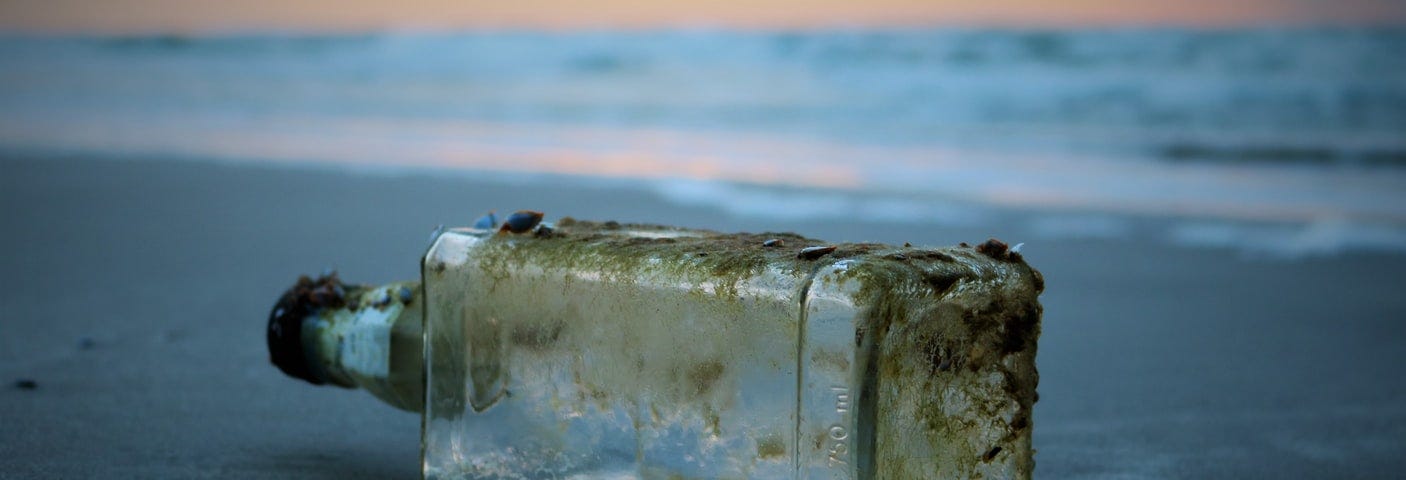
column 641, row 358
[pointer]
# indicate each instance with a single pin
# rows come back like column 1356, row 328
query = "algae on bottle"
column 602, row 350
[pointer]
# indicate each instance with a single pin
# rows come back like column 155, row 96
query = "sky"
column 197, row 16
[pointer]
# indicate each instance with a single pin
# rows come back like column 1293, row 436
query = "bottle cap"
column 285, row 328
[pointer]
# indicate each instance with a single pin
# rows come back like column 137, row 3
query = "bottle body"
column 606, row 351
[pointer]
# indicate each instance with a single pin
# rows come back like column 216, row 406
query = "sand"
column 135, row 293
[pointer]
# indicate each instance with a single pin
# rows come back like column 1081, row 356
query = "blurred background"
column 1216, row 192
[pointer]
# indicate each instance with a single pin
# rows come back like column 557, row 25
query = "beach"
column 135, row 294
column 1218, row 210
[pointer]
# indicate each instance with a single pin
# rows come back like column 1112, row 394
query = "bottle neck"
column 365, row 337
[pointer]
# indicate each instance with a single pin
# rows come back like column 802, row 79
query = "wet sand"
column 135, row 293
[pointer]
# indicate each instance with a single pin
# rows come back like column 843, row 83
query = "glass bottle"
column 600, row 350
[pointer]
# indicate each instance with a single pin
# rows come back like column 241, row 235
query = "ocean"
column 1286, row 141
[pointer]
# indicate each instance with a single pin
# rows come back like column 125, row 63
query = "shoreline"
column 752, row 203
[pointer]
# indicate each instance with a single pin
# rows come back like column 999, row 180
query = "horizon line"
column 701, row 27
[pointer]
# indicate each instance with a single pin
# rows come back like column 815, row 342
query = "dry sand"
column 135, row 293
